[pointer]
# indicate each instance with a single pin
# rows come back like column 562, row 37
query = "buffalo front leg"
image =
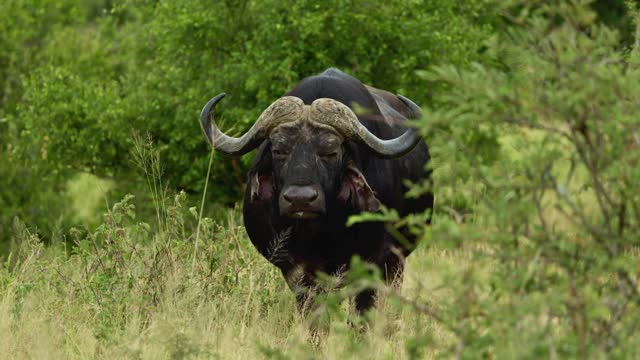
column 306, row 292
column 392, row 271
column 365, row 300
column 303, row 287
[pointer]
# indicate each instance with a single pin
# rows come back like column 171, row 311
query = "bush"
column 81, row 78
column 535, row 161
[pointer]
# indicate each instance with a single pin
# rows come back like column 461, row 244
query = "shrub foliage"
column 535, row 159
column 77, row 84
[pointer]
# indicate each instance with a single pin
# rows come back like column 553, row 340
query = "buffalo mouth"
column 304, row 214
column 301, row 202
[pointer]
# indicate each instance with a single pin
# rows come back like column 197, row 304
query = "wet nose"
column 300, row 195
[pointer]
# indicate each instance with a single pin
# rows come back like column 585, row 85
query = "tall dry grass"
column 123, row 292
column 186, row 286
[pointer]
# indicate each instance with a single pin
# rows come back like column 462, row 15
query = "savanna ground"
column 530, row 113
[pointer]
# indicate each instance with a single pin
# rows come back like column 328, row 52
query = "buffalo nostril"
column 313, row 194
column 300, row 194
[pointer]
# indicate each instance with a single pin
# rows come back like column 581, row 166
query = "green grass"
column 186, row 286
column 128, row 289
column 124, row 292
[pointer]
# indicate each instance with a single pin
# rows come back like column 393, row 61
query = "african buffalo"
column 330, row 148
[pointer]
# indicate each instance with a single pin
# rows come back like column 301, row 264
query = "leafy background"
column 79, row 77
column 530, row 115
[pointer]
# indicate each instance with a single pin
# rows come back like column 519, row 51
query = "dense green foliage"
column 80, row 82
column 536, row 158
column 530, row 112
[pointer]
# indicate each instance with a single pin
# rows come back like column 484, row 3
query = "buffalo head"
column 309, row 167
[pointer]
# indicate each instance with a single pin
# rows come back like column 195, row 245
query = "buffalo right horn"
column 282, row 110
column 343, row 119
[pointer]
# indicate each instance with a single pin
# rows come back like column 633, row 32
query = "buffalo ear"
column 356, row 190
column 262, row 188
column 261, row 181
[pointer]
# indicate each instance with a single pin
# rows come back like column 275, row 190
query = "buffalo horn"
column 335, row 113
column 282, row 110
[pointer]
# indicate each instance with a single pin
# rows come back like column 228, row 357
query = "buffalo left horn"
column 282, row 110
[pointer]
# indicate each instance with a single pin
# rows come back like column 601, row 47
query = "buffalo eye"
column 328, row 155
column 279, row 152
